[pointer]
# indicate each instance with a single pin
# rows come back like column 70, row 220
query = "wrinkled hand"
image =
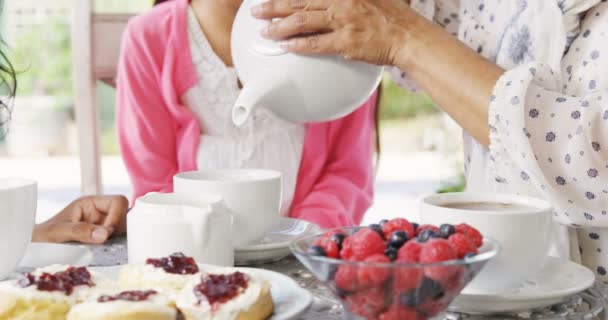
column 368, row 30
column 89, row 220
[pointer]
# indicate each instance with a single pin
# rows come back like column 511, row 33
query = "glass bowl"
column 387, row 291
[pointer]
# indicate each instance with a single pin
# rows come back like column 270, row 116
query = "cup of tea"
column 522, row 226
column 18, row 200
column 253, row 196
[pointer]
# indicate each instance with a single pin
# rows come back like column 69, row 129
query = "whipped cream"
column 189, row 303
column 145, row 276
column 158, row 303
column 79, row 293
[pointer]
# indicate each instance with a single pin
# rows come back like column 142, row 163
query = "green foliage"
column 42, row 58
column 458, row 185
column 397, row 102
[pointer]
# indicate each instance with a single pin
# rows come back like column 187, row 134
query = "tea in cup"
column 253, row 197
column 18, row 200
column 522, row 226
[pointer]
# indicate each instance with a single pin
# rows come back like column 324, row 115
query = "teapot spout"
column 255, row 94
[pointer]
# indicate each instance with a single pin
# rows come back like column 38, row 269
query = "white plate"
column 39, row 255
column 275, row 246
column 559, row 279
column 290, row 300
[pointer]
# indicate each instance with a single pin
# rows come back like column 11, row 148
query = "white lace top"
column 265, row 141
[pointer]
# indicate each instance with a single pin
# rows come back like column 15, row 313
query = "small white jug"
column 164, row 223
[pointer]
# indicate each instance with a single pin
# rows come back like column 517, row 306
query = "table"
column 326, row 307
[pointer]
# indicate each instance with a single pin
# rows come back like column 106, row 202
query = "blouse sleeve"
column 552, row 144
column 445, row 13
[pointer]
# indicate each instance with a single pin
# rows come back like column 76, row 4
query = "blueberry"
column 470, row 255
column 398, row 239
column 426, row 235
column 415, row 225
column 377, row 228
column 382, row 222
column 338, row 238
column 391, row 253
column 430, row 289
column 446, row 230
column 410, row 299
column 317, row 251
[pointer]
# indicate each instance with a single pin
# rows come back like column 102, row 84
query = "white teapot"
column 296, row 88
column 164, row 223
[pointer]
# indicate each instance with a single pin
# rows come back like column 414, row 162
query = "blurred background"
column 421, row 146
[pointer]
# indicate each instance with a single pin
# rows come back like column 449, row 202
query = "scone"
column 125, row 305
column 229, row 294
column 169, row 274
column 47, row 293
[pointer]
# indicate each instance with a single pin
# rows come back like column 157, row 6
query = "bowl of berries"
column 396, row 269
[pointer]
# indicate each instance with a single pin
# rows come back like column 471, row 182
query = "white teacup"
column 18, row 200
column 253, row 197
column 522, row 226
column 164, row 223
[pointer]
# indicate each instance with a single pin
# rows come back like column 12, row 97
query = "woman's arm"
column 344, row 191
column 389, row 32
column 146, row 131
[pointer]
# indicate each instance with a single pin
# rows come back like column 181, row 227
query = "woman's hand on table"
column 92, row 219
column 371, row 31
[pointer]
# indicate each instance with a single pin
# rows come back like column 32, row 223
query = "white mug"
column 164, row 223
column 522, row 226
column 253, row 197
column 18, row 201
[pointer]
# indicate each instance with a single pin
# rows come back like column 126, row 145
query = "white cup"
column 164, row 223
column 18, row 200
column 522, row 227
column 253, row 197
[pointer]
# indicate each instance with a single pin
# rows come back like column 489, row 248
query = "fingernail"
column 99, row 234
column 265, row 31
column 256, row 10
column 284, row 45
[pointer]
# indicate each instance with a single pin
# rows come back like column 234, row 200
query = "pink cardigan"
column 159, row 136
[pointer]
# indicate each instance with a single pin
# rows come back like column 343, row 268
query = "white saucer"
column 290, row 300
column 40, row 255
column 274, row 246
column 559, row 279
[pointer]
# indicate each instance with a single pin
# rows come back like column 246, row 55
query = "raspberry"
column 374, row 276
column 330, row 247
column 462, row 244
column 410, row 252
column 406, row 279
column 361, row 245
column 397, row 224
column 367, row 303
column 438, row 250
column 346, row 278
column 455, row 283
column 427, row 227
column 471, row 232
column 431, row 308
column 397, row 312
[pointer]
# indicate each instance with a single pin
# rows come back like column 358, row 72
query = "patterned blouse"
column 548, row 115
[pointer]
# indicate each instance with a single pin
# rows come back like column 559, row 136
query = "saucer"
column 559, row 279
column 290, row 300
column 40, row 255
column 275, row 245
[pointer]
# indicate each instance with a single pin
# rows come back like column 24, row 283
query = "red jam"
column 63, row 281
column 221, row 288
column 135, row 296
column 176, row 263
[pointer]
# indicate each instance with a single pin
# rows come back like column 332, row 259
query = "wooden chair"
column 96, row 39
